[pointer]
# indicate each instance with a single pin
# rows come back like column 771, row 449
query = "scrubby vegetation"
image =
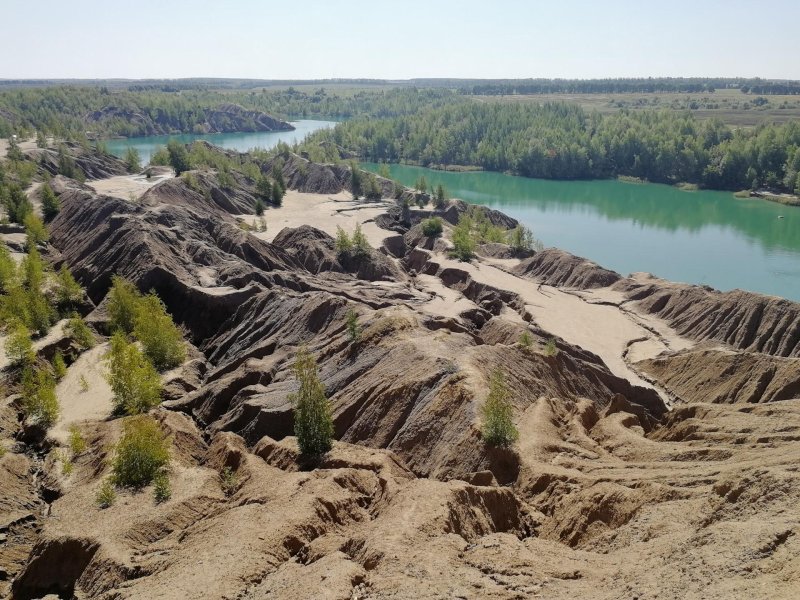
column 229, row 481
column 147, row 319
column 432, row 227
column 80, row 332
column 133, row 379
column 498, row 413
column 313, row 424
column 354, row 246
column 106, row 495
column 39, row 396
column 353, row 328
column 141, row 454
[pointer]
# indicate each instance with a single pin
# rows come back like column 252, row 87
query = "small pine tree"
column 344, row 245
column 105, row 494
column 39, row 399
column 259, row 207
column 353, row 328
column 162, row 491
column 132, row 160
column 19, row 348
column 278, row 192
column 68, row 292
column 34, row 227
column 463, row 239
column 361, row 246
column 59, row 366
column 122, row 303
column 178, row 157
column 313, row 424
column 77, row 443
column 141, row 454
column 133, row 379
column 161, row 339
column 50, row 204
column 79, row 331
column 440, row 197
column 498, row 424
column 525, row 340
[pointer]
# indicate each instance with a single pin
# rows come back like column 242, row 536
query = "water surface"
column 702, row 237
column 241, row 142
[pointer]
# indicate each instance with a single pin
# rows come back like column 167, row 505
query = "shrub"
column 141, row 454
column 77, row 443
column 259, row 207
column 440, row 197
column 353, row 328
column 161, row 339
column 162, row 491
column 59, row 366
column 84, row 384
column 8, row 270
column 313, row 424
column 132, row 160
column 50, row 204
column 68, row 292
column 521, row 238
column 463, row 240
column 39, row 396
column 133, row 379
column 17, row 204
column 34, row 227
column 344, row 245
column 498, row 424
column 19, row 348
column 106, row 496
column 160, row 157
column 123, row 299
column 229, row 481
column 66, row 464
column 178, row 156
column 79, row 331
column 432, row 227
column 360, row 244
column 525, row 340
column 550, row 348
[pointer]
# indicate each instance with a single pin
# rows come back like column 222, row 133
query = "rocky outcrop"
column 562, row 269
column 93, row 164
column 224, row 118
column 726, row 377
column 743, row 320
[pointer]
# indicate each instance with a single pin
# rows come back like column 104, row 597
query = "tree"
column 19, row 348
column 440, row 197
column 521, row 238
column 356, row 180
column 361, row 246
column 264, row 188
column 41, row 140
column 8, row 270
column 313, row 424
column 353, row 328
column 68, row 292
column 17, row 204
column 463, row 238
column 141, row 454
column 37, row 232
column 79, row 331
column 133, row 379
column 422, row 184
column 132, row 160
column 50, row 203
column 343, row 244
column 498, row 424
column 122, row 302
column 161, row 339
column 259, row 207
column 432, row 227
column 178, row 157
column 39, row 399
column 278, row 191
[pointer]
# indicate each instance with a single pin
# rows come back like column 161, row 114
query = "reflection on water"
column 698, row 237
column 234, row 141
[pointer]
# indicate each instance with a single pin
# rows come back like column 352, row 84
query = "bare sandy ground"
column 585, row 319
column 325, row 212
column 127, row 187
column 77, row 404
column 23, row 145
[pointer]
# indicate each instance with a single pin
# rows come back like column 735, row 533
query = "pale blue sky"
column 304, row 39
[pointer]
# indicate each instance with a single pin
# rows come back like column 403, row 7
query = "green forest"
column 556, row 140
column 63, row 110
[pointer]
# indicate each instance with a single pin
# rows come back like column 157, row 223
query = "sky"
column 317, row 39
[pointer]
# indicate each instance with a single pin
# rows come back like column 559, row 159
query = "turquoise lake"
column 702, row 237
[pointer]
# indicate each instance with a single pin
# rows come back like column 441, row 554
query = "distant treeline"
column 66, row 110
column 625, row 86
column 557, row 140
